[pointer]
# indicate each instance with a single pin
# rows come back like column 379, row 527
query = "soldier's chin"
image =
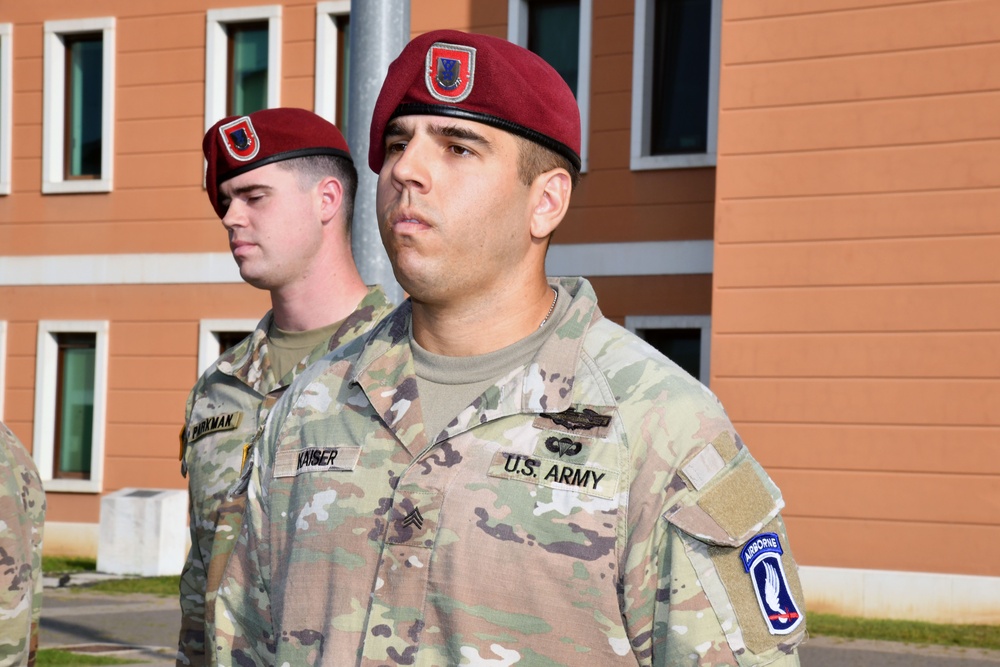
column 254, row 280
column 412, row 285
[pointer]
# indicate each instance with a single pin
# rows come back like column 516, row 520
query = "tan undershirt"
column 287, row 348
column 447, row 385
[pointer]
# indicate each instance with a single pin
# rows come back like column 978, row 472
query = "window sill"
column 70, row 187
column 694, row 160
column 71, row 486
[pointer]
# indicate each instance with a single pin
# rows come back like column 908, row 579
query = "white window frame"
column 325, row 101
column 3, row 365
column 54, row 121
column 208, row 338
column 703, row 322
column 642, row 84
column 517, row 33
column 46, row 374
column 6, row 123
column 217, row 61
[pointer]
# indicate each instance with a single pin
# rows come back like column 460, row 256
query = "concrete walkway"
column 145, row 627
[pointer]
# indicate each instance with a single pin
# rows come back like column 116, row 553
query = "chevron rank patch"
column 761, row 558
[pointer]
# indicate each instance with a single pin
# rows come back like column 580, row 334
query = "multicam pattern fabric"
column 587, row 509
column 22, row 518
column 224, row 413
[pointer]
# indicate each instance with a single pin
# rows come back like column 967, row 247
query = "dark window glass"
column 681, row 42
column 228, row 339
column 83, row 94
column 554, row 34
column 343, row 24
column 682, row 346
column 74, row 405
column 247, row 68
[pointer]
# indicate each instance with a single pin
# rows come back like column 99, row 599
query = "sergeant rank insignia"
column 449, row 71
column 761, row 558
column 240, row 139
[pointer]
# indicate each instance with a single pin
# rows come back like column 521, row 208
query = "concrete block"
column 910, row 596
column 143, row 532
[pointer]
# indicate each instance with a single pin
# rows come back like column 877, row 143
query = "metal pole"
column 379, row 31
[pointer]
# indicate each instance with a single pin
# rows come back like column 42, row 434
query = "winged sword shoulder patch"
column 761, row 558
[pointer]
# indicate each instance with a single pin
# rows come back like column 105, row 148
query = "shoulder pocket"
column 731, row 507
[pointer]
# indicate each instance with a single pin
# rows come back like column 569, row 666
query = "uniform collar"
column 384, row 370
column 249, row 362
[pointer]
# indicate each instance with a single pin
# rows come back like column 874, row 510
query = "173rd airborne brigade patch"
column 449, row 71
column 761, row 558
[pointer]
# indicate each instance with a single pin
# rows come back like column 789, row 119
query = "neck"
column 329, row 294
column 479, row 325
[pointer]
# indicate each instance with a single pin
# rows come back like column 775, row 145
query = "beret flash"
column 238, row 144
column 480, row 78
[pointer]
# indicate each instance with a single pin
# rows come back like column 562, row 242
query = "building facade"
column 799, row 205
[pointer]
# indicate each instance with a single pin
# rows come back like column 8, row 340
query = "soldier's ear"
column 550, row 200
column 331, row 198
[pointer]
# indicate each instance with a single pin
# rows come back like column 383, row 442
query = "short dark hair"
column 534, row 159
column 311, row 169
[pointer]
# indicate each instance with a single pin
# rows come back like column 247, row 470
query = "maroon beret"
column 237, row 144
column 481, row 78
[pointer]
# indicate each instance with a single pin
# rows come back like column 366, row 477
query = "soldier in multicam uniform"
column 22, row 518
column 499, row 475
column 283, row 183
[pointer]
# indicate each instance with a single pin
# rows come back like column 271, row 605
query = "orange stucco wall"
column 153, row 347
column 856, row 328
column 158, row 206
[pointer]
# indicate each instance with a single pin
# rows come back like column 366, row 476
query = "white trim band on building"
column 913, row 596
column 138, row 269
column 655, row 258
column 650, row 258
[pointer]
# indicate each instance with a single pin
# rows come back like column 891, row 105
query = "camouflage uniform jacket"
column 22, row 518
column 588, row 509
column 224, row 412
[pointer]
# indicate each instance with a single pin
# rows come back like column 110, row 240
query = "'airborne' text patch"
column 761, row 558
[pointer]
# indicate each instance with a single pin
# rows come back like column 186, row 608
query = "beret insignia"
column 450, row 71
column 240, row 139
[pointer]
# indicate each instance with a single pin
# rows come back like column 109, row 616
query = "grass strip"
column 53, row 657
column 168, row 586
column 914, row 632
column 70, row 564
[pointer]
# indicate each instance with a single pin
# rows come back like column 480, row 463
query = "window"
column 6, row 123
column 675, row 83
column 70, row 404
column 74, row 428
column 77, row 142
column 82, row 158
column 242, row 61
column 247, row 54
column 217, row 336
column 333, row 40
column 558, row 31
column 685, row 339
